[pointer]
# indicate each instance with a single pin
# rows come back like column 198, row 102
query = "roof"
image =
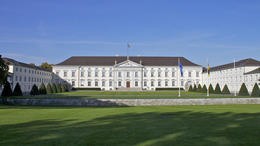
column 241, row 63
column 254, row 71
column 9, row 61
column 110, row 61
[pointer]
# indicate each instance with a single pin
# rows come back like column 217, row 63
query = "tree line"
column 242, row 92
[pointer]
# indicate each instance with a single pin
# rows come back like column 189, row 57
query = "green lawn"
column 127, row 95
column 155, row 125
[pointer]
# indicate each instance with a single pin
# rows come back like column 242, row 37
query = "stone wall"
column 130, row 102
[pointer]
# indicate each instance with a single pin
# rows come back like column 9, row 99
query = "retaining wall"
column 129, row 102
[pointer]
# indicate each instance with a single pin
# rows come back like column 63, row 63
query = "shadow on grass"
column 152, row 128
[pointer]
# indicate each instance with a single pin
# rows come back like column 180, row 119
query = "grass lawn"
column 127, row 95
column 155, row 125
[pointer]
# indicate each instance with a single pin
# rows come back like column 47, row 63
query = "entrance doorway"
column 128, row 84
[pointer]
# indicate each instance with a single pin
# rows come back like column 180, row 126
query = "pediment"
column 128, row 63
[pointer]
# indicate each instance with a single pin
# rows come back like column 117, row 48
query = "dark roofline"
column 241, row 63
column 253, row 71
column 110, row 61
column 10, row 61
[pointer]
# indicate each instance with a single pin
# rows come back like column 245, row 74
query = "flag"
column 208, row 68
column 128, row 45
column 181, row 68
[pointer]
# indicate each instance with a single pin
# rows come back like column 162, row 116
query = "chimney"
column 115, row 62
column 140, row 61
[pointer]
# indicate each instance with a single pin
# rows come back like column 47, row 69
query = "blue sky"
column 54, row 30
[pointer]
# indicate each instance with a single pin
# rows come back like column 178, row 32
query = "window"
column 189, row 73
column 89, row 74
column 103, row 74
column 110, row 83
column 29, row 79
column 16, row 69
column 73, row 83
column 197, row 74
column 103, row 83
column 145, row 74
column 82, row 74
column 173, row 83
column 166, row 83
column 182, row 83
column 96, row 83
column 152, row 74
column 119, row 83
column 166, row 74
column 152, row 83
column 110, row 74
column 119, row 74
column 159, row 74
column 89, row 83
column 29, row 71
column 159, row 83
column 136, row 83
column 173, row 74
column 73, row 74
column 65, row 74
column 127, row 74
column 136, row 74
column 20, row 79
column 82, row 82
column 20, row 69
column 16, row 78
column 96, row 74
column 145, row 83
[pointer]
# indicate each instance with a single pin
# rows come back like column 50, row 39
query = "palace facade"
column 120, row 73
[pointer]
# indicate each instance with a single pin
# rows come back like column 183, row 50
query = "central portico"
column 128, row 74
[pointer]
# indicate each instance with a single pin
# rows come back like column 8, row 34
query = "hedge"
column 7, row 91
column 217, row 89
column 42, row 89
column 169, row 89
column 243, row 90
column 75, row 89
column 225, row 90
column 17, row 90
column 255, row 91
column 34, row 90
column 49, row 89
column 199, row 89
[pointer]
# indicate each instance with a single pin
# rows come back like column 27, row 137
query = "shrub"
column 49, row 89
column 58, row 88
column 225, row 90
column 7, row 91
column 243, row 90
column 195, row 88
column 66, row 87
column 217, row 89
column 42, row 89
column 63, row 88
column 204, row 89
column 255, row 91
column 17, row 90
column 54, row 88
column 75, row 89
column 34, row 90
column 199, row 89
column 211, row 90
column 190, row 88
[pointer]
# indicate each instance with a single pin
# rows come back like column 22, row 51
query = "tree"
column 54, row 88
column 3, row 71
column 199, row 89
column 17, row 90
column 34, row 90
column 58, row 88
column 32, row 64
column 190, row 88
column 225, row 90
column 42, row 89
column 7, row 91
column 49, row 89
column 211, row 90
column 255, row 91
column 243, row 90
column 46, row 65
column 217, row 89
column 195, row 88
column 63, row 88
column 66, row 88
column 204, row 89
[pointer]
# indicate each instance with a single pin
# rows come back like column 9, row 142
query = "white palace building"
column 126, row 73
column 133, row 73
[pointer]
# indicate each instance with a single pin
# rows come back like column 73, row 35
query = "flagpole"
column 234, row 71
column 127, row 51
column 179, row 77
column 208, row 76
